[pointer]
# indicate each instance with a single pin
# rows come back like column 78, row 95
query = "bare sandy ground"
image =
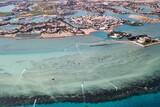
column 9, row 36
column 57, row 35
column 88, row 31
column 144, row 19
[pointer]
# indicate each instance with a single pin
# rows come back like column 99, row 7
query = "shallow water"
column 28, row 66
column 146, row 9
column 8, row 8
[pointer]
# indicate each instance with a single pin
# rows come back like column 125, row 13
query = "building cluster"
column 142, row 40
column 96, row 22
column 77, row 25
column 56, row 25
column 21, row 7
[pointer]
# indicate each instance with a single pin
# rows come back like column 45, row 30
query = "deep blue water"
column 148, row 100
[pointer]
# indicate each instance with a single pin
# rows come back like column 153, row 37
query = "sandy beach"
column 56, row 35
column 88, row 31
column 8, row 36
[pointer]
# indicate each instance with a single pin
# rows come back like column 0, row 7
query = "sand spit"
column 144, row 19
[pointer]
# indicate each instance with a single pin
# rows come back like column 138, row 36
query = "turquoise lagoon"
column 28, row 66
